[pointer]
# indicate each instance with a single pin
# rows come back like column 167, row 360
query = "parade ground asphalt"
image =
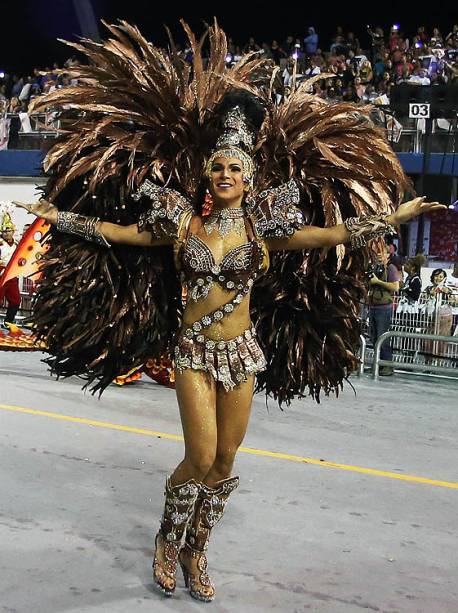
column 344, row 506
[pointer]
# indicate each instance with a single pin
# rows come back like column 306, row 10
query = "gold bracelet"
column 80, row 225
column 363, row 229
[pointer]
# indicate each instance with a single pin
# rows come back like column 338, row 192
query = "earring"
column 208, row 204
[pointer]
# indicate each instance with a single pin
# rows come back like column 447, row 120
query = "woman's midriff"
column 232, row 325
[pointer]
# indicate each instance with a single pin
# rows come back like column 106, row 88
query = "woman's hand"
column 407, row 211
column 43, row 208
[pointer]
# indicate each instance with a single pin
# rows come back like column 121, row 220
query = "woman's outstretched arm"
column 111, row 232
column 313, row 237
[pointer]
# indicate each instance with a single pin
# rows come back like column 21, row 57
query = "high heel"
column 199, row 585
column 179, row 505
column 208, row 510
column 185, row 572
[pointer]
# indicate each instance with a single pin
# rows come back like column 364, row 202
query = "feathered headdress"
column 138, row 112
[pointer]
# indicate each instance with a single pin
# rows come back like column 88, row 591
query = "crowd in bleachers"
column 389, row 57
column 17, row 91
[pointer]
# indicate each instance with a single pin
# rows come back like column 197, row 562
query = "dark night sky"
column 30, row 28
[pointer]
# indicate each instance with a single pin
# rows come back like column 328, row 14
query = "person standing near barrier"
column 411, row 288
column 10, row 290
column 384, row 281
column 452, row 282
column 453, row 278
column 441, row 301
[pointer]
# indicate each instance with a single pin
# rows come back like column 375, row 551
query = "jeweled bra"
column 237, row 272
column 201, row 271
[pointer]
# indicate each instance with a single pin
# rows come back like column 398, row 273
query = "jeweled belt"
column 195, row 329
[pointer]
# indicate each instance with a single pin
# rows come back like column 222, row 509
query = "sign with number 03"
column 419, row 110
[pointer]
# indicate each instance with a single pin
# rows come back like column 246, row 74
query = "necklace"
column 225, row 220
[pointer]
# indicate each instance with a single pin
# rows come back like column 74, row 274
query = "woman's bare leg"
column 233, row 411
column 196, row 395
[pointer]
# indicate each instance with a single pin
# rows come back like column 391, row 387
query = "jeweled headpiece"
column 235, row 133
column 6, row 222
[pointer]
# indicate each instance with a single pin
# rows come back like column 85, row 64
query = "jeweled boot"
column 179, row 505
column 208, row 510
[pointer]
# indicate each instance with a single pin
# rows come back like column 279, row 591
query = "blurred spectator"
column 352, row 42
column 421, row 34
column 419, row 76
column 438, row 285
column 287, row 73
column 365, row 72
column 311, row 41
column 360, row 88
column 441, row 301
column 411, row 287
column 10, row 289
column 16, row 89
column 15, row 105
column 288, row 45
column 369, row 95
column 377, row 40
column 453, row 278
column 437, row 36
column 251, row 46
column 266, row 52
column 339, row 47
column 383, row 283
column 277, row 52
column 349, row 94
column 312, row 69
column 25, row 91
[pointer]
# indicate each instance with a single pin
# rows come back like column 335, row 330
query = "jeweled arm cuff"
column 363, row 229
column 86, row 227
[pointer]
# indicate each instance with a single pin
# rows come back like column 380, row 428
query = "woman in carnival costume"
column 150, row 143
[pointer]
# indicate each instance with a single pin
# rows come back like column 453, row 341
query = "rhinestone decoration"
column 236, row 133
column 225, row 221
column 275, row 212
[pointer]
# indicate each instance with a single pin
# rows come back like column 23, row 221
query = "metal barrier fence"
column 423, row 336
column 431, row 369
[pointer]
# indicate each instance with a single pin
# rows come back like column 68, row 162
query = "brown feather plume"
column 139, row 112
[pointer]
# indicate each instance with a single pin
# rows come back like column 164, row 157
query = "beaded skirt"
column 230, row 362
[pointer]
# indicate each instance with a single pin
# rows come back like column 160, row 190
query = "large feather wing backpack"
column 140, row 113
column 137, row 112
column 308, row 306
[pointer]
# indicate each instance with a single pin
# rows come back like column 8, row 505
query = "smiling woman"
column 226, row 183
column 233, row 189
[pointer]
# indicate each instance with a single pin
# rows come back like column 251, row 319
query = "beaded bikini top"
column 238, row 266
column 236, row 272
